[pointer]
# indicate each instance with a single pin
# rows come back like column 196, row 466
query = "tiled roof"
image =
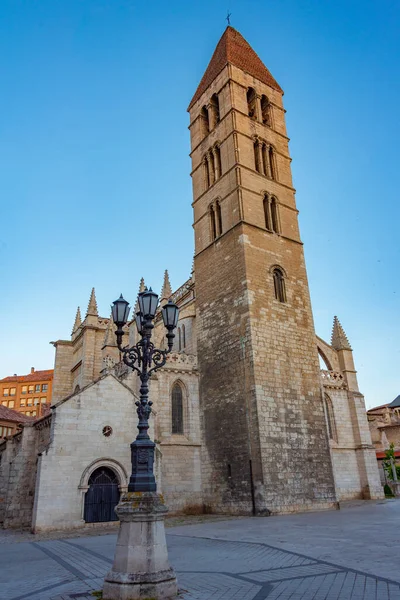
column 382, row 454
column 35, row 376
column 233, row 48
column 7, row 414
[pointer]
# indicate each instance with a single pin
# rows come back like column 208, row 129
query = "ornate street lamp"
column 144, row 358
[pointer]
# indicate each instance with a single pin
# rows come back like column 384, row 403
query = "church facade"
column 244, row 419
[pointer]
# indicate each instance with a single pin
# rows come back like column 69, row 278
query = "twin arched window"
column 215, row 220
column 177, row 409
column 279, row 284
column 212, row 166
column 210, row 115
column 264, row 158
column 264, row 107
column 271, row 213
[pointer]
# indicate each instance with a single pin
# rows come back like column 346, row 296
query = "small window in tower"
column 251, row 104
column 205, row 125
column 267, row 212
column 274, row 215
column 256, row 157
column 214, row 102
column 218, row 166
column 271, row 156
column 179, row 339
column 177, row 409
column 212, row 223
column 279, row 285
column 219, row 217
column 206, row 173
column 265, row 111
column 183, row 337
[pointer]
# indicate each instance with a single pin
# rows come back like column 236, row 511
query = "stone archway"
column 102, row 472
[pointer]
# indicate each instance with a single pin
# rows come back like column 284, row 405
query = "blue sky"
column 95, row 187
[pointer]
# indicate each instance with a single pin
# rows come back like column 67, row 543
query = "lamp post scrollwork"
column 145, row 359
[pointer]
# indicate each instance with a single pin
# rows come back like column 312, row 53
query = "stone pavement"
column 276, row 558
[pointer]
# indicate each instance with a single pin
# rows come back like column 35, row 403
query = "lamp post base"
column 141, row 569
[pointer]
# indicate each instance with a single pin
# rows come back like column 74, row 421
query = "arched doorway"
column 102, row 496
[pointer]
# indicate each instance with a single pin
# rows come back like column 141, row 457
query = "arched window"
column 257, row 157
column 213, row 223
column 330, row 418
column 212, row 166
column 179, row 339
column 218, row 166
column 265, row 160
column 205, row 125
column 219, row 217
column 271, row 157
column 177, row 409
column 206, row 174
column 214, row 102
column 265, row 110
column 279, row 285
column 251, row 104
column 183, row 337
column 267, row 212
column 274, row 215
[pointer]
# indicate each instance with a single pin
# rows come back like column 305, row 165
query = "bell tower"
column 265, row 441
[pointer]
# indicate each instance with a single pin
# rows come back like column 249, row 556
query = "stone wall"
column 78, row 447
column 19, row 458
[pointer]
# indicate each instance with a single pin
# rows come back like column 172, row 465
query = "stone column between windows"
column 211, row 116
column 260, row 157
column 258, row 108
column 216, row 166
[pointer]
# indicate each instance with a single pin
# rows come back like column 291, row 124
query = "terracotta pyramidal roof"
column 233, row 48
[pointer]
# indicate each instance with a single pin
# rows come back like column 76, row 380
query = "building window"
column 330, row 418
column 251, row 104
column 218, row 165
column 214, row 106
column 24, row 389
column 43, row 400
column 219, row 217
column 205, row 125
column 36, row 401
column 34, row 413
column 265, row 110
column 6, row 392
column 28, row 413
column 4, row 403
column 22, row 402
column 31, row 389
column 177, row 409
column 279, row 284
column 11, row 404
column 267, row 212
column 257, row 162
column 179, row 339
column 271, row 156
column 274, row 215
column 29, row 402
column 13, row 391
column 183, row 337
column 213, row 223
column 44, row 387
column 206, row 173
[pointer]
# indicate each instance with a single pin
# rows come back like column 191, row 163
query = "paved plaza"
column 351, row 554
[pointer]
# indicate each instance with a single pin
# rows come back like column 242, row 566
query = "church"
column 245, row 421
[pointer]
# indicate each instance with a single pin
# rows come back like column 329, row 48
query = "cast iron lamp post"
column 144, row 358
